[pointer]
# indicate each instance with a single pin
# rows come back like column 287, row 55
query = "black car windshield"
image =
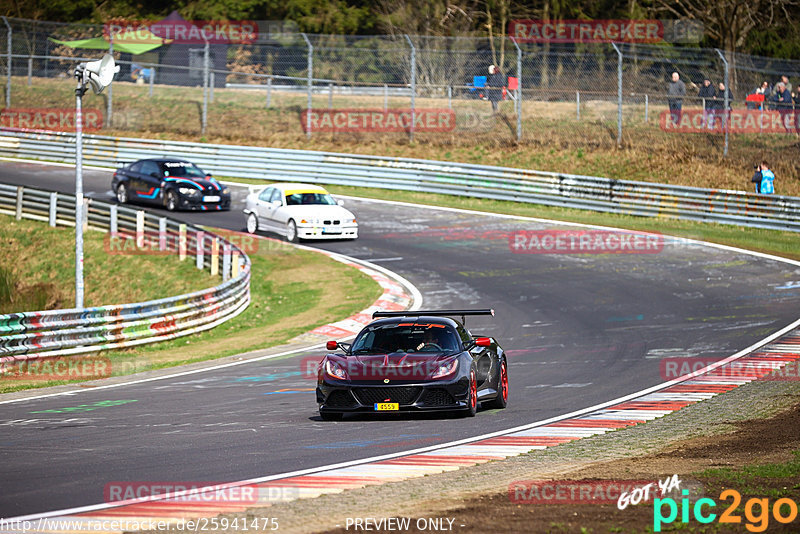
column 296, row 199
column 406, row 337
column 182, row 169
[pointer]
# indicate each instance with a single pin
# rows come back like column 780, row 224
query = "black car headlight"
column 335, row 370
column 226, row 191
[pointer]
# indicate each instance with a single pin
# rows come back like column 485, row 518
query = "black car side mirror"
column 155, row 175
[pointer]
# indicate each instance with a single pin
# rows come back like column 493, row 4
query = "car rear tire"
column 502, row 389
column 252, row 223
column 331, row 416
column 172, row 201
column 122, row 194
column 291, row 232
column 472, row 398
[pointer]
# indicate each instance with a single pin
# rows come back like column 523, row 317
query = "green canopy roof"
column 99, row 43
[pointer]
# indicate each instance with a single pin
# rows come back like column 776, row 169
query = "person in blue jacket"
column 763, row 178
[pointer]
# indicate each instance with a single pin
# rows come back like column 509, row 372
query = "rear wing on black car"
column 434, row 313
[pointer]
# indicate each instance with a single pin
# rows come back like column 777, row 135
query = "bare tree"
column 728, row 22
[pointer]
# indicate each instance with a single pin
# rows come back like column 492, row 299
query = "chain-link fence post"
column 619, row 94
column 519, row 91
column 726, row 112
column 269, row 92
column 204, row 118
column 152, row 78
column 413, row 85
column 109, row 104
column 212, row 82
column 310, row 83
column 9, row 41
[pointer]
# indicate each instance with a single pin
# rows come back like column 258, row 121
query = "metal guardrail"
column 482, row 181
column 81, row 331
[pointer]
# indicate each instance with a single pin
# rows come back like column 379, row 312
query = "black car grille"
column 400, row 394
column 331, row 222
column 340, row 399
column 437, row 397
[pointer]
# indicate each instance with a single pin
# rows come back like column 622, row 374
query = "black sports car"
column 173, row 183
column 407, row 361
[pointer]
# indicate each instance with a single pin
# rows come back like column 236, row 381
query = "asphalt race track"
column 579, row 330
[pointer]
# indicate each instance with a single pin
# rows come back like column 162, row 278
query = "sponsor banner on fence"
column 762, row 367
column 63, row 368
column 55, row 119
column 378, row 120
column 605, row 31
column 584, row 242
column 736, row 121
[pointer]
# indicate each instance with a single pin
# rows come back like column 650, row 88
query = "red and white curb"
column 624, row 412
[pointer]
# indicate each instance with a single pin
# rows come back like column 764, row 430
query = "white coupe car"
column 299, row 211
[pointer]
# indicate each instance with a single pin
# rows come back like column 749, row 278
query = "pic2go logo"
column 756, row 511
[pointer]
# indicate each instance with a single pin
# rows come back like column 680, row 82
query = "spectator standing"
column 707, row 93
column 764, row 90
column 785, row 81
column 763, row 179
column 719, row 102
column 676, row 90
column 782, row 101
column 495, row 85
column 767, row 177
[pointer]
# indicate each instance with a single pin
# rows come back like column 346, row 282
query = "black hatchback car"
column 172, row 183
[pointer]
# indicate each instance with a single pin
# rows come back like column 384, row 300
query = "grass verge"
column 292, row 291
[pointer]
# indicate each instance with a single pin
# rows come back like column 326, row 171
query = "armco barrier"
column 482, row 181
column 75, row 331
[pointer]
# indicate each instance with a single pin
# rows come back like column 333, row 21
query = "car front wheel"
column 502, row 388
column 252, row 223
column 291, row 232
column 122, row 194
column 472, row 398
column 172, row 201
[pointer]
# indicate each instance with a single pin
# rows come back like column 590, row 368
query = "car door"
column 262, row 202
column 131, row 179
column 276, row 211
column 149, row 183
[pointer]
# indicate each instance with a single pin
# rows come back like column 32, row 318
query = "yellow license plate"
column 387, row 406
